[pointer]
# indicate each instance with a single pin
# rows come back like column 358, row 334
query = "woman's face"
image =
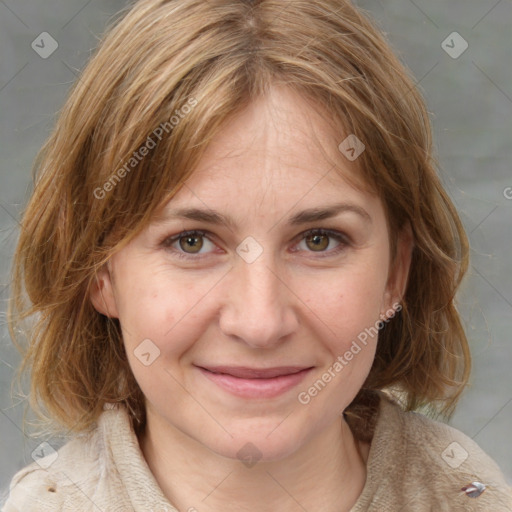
column 264, row 290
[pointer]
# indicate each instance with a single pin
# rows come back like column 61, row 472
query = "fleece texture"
column 415, row 464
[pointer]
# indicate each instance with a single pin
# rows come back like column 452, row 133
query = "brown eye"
column 192, row 245
column 192, row 242
column 317, row 242
column 324, row 242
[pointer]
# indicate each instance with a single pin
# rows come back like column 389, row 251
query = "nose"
column 259, row 305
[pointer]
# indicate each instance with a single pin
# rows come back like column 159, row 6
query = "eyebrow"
column 303, row 217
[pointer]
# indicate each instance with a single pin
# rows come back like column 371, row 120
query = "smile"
column 254, row 383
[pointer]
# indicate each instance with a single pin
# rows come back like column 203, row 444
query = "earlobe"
column 102, row 293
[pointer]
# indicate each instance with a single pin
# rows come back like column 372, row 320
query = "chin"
column 261, row 444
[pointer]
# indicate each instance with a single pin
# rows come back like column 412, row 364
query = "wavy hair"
column 180, row 69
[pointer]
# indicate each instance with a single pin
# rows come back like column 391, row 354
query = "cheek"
column 344, row 318
column 160, row 322
column 345, row 302
column 162, row 307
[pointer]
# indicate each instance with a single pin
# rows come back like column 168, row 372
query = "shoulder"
column 428, row 462
column 62, row 479
column 55, row 476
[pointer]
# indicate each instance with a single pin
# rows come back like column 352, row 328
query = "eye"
column 188, row 243
column 318, row 240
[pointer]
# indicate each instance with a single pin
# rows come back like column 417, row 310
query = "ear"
column 102, row 293
column 399, row 270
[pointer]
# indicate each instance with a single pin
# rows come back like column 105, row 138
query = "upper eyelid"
column 333, row 233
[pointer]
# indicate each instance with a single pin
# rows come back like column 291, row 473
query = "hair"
column 183, row 67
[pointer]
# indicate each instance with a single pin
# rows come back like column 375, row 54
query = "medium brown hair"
column 216, row 57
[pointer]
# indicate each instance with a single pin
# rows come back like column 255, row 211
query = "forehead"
column 280, row 145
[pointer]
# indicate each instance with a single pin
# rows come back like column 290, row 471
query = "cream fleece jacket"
column 415, row 464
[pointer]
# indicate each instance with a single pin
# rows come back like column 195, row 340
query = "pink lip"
column 245, row 372
column 256, row 383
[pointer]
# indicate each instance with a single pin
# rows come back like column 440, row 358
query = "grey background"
column 471, row 103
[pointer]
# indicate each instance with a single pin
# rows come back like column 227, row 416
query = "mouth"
column 255, row 382
column 244, row 372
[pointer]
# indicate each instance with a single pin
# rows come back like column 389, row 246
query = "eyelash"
column 340, row 237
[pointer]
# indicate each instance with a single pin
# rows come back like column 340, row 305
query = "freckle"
column 51, row 489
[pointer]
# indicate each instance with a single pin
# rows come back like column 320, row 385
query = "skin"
column 297, row 303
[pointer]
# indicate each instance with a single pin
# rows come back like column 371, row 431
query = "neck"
column 327, row 473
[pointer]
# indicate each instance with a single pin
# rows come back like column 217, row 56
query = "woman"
column 244, row 267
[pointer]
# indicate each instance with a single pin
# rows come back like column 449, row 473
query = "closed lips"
column 255, row 373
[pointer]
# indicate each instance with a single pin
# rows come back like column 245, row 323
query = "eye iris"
column 193, row 242
column 318, row 243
